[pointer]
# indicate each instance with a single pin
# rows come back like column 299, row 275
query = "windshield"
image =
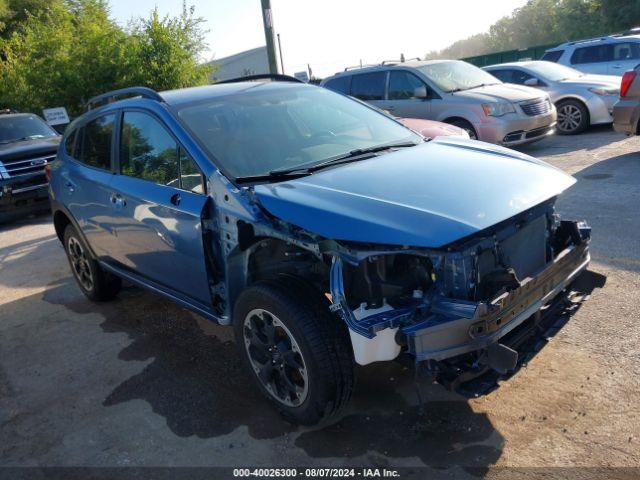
column 264, row 129
column 23, row 127
column 553, row 71
column 454, row 76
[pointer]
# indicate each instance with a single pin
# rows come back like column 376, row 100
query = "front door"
column 403, row 96
column 159, row 199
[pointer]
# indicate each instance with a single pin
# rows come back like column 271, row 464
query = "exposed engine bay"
column 441, row 303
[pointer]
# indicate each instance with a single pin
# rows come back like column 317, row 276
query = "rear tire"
column 573, row 117
column 307, row 370
column 95, row 283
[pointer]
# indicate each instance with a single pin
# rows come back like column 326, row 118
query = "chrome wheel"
column 275, row 357
column 569, row 118
column 80, row 263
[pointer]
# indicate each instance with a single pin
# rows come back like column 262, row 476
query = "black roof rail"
column 143, row 92
column 277, row 77
column 7, row 111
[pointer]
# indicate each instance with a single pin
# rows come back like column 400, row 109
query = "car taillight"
column 627, row 80
column 47, row 172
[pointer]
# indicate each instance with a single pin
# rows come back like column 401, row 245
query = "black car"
column 27, row 145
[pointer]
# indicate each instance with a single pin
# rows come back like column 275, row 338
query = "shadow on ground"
column 196, row 382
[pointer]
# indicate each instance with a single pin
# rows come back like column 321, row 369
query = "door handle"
column 117, row 200
column 176, row 199
column 70, row 186
column 616, row 66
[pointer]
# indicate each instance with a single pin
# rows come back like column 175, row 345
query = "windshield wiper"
column 265, row 177
column 301, row 170
column 352, row 156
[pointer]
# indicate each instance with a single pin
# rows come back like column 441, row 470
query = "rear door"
column 401, row 96
column 593, row 59
column 158, row 198
column 86, row 179
column 625, row 57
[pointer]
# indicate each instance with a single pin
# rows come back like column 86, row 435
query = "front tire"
column 298, row 353
column 573, row 117
column 95, row 283
column 464, row 125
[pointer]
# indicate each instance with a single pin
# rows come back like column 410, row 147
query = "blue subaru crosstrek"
column 325, row 232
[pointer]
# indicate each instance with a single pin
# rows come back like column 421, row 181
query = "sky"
column 333, row 34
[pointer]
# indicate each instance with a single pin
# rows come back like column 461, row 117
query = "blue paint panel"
column 425, row 196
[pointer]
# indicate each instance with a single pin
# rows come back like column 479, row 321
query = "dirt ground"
column 141, row 382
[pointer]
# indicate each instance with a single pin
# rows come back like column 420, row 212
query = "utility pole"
column 267, row 18
column 280, row 50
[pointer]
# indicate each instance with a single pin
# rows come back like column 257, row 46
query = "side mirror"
column 532, row 82
column 421, row 92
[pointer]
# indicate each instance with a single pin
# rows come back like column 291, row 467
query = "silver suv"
column 612, row 55
column 454, row 92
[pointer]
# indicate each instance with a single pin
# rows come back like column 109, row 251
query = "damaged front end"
column 444, row 304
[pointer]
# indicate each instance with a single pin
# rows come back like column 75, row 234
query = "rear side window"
column 626, row 51
column 511, row 76
column 340, row 84
column 403, row 85
column 368, row 86
column 552, row 56
column 94, row 142
column 595, row 54
column 503, row 75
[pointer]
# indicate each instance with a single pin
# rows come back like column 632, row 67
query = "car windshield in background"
column 264, row 129
column 553, row 71
column 23, row 127
column 456, row 76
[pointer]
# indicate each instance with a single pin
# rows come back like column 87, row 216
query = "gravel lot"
column 142, row 382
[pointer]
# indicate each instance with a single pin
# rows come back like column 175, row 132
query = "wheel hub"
column 275, row 357
column 80, row 263
column 569, row 118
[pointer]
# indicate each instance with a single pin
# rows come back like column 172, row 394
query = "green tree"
column 541, row 22
column 72, row 50
column 14, row 13
column 166, row 51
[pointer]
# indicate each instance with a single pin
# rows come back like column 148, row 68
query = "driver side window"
column 149, row 152
column 403, row 85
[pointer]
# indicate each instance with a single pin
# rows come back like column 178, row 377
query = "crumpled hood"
column 424, row 196
column 502, row 92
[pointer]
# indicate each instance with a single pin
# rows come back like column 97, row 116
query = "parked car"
column 580, row 99
column 454, row 92
column 426, row 128
column 611, row 55
column 626, row 111
column 325, row 232
column 27, row 145
column 431, row 129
